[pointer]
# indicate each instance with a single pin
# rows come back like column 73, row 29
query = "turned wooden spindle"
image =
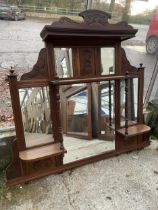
column 110, row 111
column 55, row 112
column 126, row 103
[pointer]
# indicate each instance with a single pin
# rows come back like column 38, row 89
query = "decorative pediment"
column 94, row 21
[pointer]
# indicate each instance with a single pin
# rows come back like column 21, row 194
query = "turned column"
column 14, row 93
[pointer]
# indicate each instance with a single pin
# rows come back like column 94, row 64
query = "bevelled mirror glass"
column 132, row 101
column 35, row 111
column 107, row 60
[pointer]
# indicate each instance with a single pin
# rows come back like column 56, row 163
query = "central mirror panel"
column 35, row 109
column 90, row 127
column 77, row 110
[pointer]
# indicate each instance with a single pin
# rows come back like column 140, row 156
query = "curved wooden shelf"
column 41, row 152
column 135, row 130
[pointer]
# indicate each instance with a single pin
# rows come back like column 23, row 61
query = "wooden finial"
column 141, row 65
column 11, row 71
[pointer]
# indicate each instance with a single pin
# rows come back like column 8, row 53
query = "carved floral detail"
column 86, row 61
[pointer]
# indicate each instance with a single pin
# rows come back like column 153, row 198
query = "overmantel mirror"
column 82, row 101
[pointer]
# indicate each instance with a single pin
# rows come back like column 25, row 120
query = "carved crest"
column 95, row 17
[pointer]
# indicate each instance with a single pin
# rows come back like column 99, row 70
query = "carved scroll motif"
column 40, row 69
column 125, row 64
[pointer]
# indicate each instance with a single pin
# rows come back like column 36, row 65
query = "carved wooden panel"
column 42, row 165
column 86, row 61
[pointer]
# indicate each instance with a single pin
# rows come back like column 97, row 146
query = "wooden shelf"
column 135, row 130
column 41, row 152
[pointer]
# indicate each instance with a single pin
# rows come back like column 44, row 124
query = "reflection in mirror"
column 107, row 60
column 82, row 110
column 132, row 101
column 77, row 111
column 107, row 110
column 36, row 115
column 63, row 62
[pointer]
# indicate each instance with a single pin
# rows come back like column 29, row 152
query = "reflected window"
column 107, row 60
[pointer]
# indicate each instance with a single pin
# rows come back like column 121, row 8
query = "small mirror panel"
column 107, row 60
column 63, row 62
column 132, row 102
column 36, row 115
